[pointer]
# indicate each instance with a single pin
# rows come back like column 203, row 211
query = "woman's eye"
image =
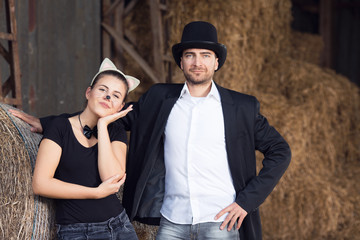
column 102, row 89
column 116, row 96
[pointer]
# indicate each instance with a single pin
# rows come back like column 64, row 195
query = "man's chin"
column 196, row 81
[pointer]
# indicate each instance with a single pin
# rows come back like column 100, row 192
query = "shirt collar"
column 214, row 92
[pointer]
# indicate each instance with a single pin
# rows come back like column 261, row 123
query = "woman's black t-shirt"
column 79, row 165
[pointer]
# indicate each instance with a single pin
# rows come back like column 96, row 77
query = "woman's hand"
column 34, row 122
column 113, row 117
column 110, row 186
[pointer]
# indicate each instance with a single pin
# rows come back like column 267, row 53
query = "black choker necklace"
column 87, row 131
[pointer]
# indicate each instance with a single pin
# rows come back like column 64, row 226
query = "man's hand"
column 235, row 212
column 33, row 121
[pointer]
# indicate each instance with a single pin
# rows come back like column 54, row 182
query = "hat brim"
column 218, row 48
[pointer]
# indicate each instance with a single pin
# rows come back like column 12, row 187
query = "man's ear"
column 181, row 65
column 216, row 64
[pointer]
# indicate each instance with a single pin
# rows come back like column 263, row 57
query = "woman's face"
column 107, row 95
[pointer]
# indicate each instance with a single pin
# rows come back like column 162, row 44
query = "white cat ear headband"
column 108, row 65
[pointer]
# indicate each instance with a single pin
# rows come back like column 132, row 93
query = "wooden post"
column 158, row 41
column 106, row 39
column 13, row 83
column 118, row 24
column 326, row 31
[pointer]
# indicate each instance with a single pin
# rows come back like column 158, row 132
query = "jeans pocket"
column 70, row 233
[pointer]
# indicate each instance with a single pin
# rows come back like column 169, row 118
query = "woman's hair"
column 116, row 75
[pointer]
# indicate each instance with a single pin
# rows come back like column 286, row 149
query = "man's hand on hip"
column 236, row 213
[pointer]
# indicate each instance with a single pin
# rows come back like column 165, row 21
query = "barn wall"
column 59, row 51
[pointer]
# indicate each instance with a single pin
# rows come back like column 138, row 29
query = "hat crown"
column 199, row 31
column 200, row 35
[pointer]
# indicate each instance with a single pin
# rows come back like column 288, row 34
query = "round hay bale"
column 23, row 215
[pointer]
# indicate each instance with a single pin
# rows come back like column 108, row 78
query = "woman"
column 81, row 162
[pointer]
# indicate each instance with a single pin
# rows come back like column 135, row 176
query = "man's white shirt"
column 198, row 182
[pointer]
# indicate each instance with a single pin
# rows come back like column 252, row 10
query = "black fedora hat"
column 202, row 35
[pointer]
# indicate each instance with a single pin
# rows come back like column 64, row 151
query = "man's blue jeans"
column 118, row 227
column 200, row 231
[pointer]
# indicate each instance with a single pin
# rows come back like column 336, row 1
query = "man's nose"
column 197, row 61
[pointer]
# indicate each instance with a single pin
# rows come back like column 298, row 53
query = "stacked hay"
column 318, row 112
column 306, row 47
column 22, row 214
column 315, row 109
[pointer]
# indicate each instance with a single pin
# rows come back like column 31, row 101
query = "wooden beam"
column 106, row 39
column 112, row 7
column 157, row 36
column 13, row 48
column 163, row 7
column 168, row 60
column 11, row 101
column 132, row 52
column 326, row 31
column 4, row 53
column 129, row 7
column 130, row 36
column 13, row 83
column 7, row 36
column 7, row 86
column 118, row 26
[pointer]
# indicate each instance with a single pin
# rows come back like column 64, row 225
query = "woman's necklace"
column 87, row 131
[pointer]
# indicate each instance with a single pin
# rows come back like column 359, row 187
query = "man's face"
column 198, row 65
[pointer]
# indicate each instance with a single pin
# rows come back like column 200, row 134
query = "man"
column 191, row 160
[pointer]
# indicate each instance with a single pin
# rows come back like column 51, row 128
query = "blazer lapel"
column 230, row 122
column 229, row 112
column 170, row 99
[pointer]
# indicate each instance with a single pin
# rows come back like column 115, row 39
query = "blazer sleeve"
column 277, row 155
column 130, row 120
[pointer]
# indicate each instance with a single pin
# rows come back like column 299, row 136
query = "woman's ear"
column 121, row 107
column 87, row 93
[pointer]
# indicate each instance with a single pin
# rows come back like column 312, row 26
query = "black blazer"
column 246, row 130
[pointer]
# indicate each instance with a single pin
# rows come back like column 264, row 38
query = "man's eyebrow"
column 204, row 52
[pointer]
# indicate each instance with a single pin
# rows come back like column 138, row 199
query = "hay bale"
column 317, row 111
column 22, row 214
column 306, row 47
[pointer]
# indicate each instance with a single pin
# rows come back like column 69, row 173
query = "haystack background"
column 315, row 109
